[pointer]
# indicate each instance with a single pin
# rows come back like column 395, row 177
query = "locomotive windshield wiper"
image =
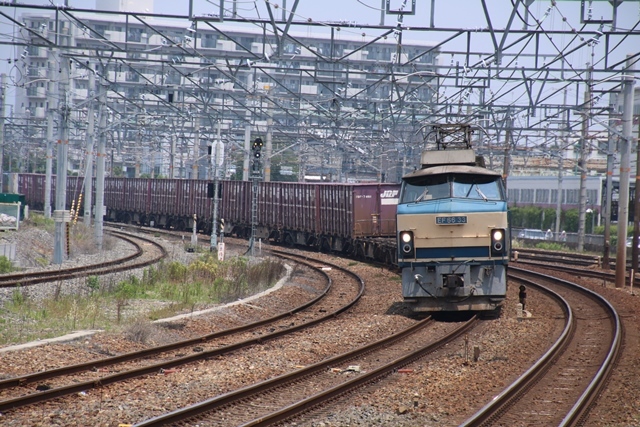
column 423, row 195
column 481, row 194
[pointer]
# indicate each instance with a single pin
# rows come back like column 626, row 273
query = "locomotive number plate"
column 451, row 220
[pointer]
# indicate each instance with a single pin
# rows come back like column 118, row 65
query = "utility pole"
column 565, row 123
column 269, row 145
column 51, row 90
column 100, row 166
column 196, row 151
column 559, row 201
column 216, row 195
column 582, row 161
column 61, row 216
column 625, row 154
column 88, row 171
column 247, row 144
column 507, row 150
column 247, row 134
column 3, row 85
column 172, row 155
column 138, row 148
column 636, row 212
column 611, row 145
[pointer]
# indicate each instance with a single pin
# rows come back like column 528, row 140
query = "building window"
column 132, row 76
column 210, row 41
column 100, row 29
column 572, row 196
column 134, row 35
column 542, row 196
column 526, row 195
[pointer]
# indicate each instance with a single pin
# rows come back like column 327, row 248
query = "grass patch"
column 163, row 290
column 5, row 265
column 38, row 220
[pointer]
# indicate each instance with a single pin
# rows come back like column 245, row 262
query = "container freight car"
column 168, row 203
column 330, row 216
column 33, row 186
column 348, row 218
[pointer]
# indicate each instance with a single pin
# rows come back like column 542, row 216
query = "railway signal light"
column 256, row 154
column 256, row 148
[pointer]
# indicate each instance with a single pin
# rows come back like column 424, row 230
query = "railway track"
column 571, row 263
column 344, row 374
column 295, row 393
column 559, row 388
column 331, row 301
column 129, row 262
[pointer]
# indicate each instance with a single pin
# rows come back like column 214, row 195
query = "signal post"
column 255, row 175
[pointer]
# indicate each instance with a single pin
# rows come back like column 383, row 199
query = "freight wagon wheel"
column 288, row 240
column 206, row 229
column 143, row 220
column 180, row 225
column 126, row 218
column 325, row 246
column 360, row 251
column 152, row 221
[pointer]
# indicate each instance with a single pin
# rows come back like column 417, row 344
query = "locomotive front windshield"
column 444, row 186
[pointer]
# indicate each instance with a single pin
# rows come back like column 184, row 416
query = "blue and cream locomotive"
column 453, row 233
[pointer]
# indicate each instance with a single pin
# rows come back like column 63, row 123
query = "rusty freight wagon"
column 338, row 217
column 32, row 185
column 168, row 203
column 355, row 219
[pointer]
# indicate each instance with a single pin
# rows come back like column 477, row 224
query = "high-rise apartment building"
column 173, row 84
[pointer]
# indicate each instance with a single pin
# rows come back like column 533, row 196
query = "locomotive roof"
column 439, row 170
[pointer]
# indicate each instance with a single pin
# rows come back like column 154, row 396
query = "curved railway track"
column 559, row 389
column 572, row 263
column 331, row 302
column 292, row 394
column 128, row 262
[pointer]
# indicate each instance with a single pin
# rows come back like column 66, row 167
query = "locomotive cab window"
column 477, row 187
column 425, row 188
column 444, row 186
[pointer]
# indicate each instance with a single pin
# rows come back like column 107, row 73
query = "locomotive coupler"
column 453, row 281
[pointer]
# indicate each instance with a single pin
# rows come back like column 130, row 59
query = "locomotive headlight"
column 405, row 245
column 498, row 246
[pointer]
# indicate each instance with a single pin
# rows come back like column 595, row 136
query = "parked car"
column 630, row 242
column 532, row 234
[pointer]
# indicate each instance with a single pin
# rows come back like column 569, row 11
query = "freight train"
column 446, row 225
column 453, row 233
column 352, row 219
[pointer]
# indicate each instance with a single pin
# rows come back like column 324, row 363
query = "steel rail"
column 32, row 278
column 109, row 361
column 292, row 377
column 21, row 401
column 579, row 410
